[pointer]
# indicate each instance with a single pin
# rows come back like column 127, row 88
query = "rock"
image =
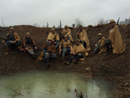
column 87, row 69
column 126, row 84
column 128, row 89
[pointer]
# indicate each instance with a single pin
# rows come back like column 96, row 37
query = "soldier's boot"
column 66, row 62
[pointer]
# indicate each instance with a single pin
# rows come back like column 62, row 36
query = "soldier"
column 78, row 51
column 67, row 31
column 55, row 37
column 50, row 52
column 100, row 46
column 83, row 37
column 12, row 40
column 114, row 40
column 65, row 46
column 28, row 44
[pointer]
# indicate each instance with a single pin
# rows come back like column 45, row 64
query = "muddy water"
column 37, row 84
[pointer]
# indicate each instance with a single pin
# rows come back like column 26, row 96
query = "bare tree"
column 36, row 25
column 78, row 22
column 47, row 25
column 73, row 25
column 53, row 26
column 101, row 21
column 60, row 24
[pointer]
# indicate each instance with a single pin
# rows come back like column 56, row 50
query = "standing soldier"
column 78, row 51
column 83, row 37
column 65, row 46
column 67, row 31
column 100, row 46
column 29, row 44
column 12, row 40
column 114, row 40
column 50, row 52
column 55, row 37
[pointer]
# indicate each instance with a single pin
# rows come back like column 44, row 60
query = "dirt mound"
column 114, row 68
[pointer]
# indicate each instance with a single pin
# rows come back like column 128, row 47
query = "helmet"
column 77, row 40
column 11, row 28
column 112, row 21
column 66, row 36
column 66, row 26
column 27, row 33
column 99, row 34
column 80, row 26
column 52, row 29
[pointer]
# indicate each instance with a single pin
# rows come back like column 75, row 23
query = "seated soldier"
column 50, row 52
column 55, row 37
column 12, row 40
column 67, row 31
column 114, row 41
column 78, row 51
column 100, row 46
column 83, row 37
column 29, row 44
column 65, row 46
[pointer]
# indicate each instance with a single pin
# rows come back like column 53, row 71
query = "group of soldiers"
column 79, row 50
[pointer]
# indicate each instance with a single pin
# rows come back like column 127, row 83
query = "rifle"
column 77, row 32
column 118, row 21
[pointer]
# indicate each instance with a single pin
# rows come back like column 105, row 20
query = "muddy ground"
column 114, row 68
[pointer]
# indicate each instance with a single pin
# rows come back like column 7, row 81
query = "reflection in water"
column 52, row 85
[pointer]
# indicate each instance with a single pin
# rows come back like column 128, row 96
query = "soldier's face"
column 65, row 27
column 49, row 41
column 11, row 31
column 66, row 38
column 53, row 31
column 27, row 35
column 112, row 23
column 80, row 28
column 99, row 36
column 77, row 42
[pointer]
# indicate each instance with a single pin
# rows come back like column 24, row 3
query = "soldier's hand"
column 54, row 42
column 3, row 41
column 73, row 53
column 26, row 48
column 82, row 40
column 13, row 41
column 60, row 49
column 36, row 48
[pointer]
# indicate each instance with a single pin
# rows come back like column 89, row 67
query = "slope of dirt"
column 114, row 68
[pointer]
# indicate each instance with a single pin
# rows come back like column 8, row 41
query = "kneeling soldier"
column 29, row 44
column 78, row 51
column 55, row 37
column 100, row 46
column 12, row 40
column 50, row 52
column 65, row 46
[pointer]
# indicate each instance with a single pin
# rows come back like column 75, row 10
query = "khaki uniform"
column 68, row 33
column 24, row 42
column 102, row 44
column 50, row 48
column 116, row 40
column 83, row 36
column 79, row 49
column 52, row 36
column 16, row 36
column 64, row 44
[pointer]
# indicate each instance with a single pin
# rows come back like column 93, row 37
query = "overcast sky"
column 28, row 12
